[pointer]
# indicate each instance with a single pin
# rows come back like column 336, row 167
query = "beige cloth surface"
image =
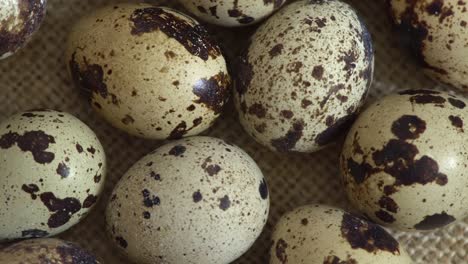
column 36, row 77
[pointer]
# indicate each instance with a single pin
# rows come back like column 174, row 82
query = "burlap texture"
column 36, row 77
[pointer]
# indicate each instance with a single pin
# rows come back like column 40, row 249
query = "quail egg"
column 19, row 19
column 233, row 12
column 305, row 76
column 150, row 71
column 318, row 234
column 195, row 200
column 437, row 31
column 45, row 250
column 53, row 168
column 404, row 160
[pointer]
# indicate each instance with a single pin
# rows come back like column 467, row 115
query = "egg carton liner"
column 36, row 77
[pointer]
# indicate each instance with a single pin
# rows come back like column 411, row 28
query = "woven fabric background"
column 36, row 77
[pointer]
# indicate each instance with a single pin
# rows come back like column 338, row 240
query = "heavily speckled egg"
column 19, row 19
column 45, row 250
column 437, row 31
column 52, row 172
column 304, row 76
column 150, row 71
column 404, row 160
column 232, row 13
column 196, row 200
column 318, row 234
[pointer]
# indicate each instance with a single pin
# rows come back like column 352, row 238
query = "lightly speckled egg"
column 45, row 250
column 232, row 13
column 19, row 19
column 319, row 234
column 52, row 172
column 437, row 31
column 195, row 200
column 305, row 76
column 404, row 160
column 150, row 71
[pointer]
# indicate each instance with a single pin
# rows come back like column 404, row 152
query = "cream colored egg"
column 45, row 251
column 196, row 200
column 232, row 13
column 150, row 71
column 305, row 76
column 404, row 160
column 438, row 33
column 52, row 173
column 19, row 20
column 318, row 234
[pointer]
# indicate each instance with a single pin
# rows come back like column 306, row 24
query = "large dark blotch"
column 194, row 38
column 177, row 150
column 32, row 189
column 418, row 91
column 63, row 170
column 385, row 216
column 150, row 200
column 359, row 171
column 197, row 196
column 121, row 241
column 457, row 103
column 389, row 204
column 244, row 75
column 72, row 254
column 398, row 159
column 179, row 131
column 415, row 32
column 408, row 127
column 280, row 251
column 366, row 235
column 34, row 233
column 335, row 130
column 214, row 92
column 435, row 221
column 62, row 209
column 36, row 142
column 456, row 122
column 263, row 189
column 257, row 110
column 289, row 141
column 89, row 78
column 428, row 99
column 213, row 169
column 89, row 201
column 31, row 14
column 337, row 260
column 224, row 203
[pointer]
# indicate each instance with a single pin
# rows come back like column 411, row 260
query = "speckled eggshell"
column 45, row 250
column 150, row 71
column 232, row 13
column 437, row 31
column 196, row 200
column 52, row 172
column 19, row 19
column 305, row 75
column 318, row 234
column 404, row 161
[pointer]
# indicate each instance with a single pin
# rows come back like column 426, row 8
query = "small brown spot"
column 305, row 103
column 197, row 196
column 457, row 103
column 280, row 251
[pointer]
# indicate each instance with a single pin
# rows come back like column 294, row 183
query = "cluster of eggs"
column 156, row 73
